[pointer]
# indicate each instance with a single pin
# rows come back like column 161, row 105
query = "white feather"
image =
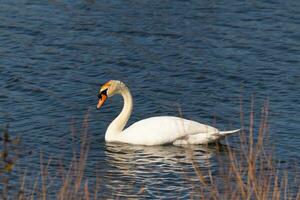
column 156, row 130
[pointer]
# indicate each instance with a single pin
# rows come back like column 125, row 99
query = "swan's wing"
column 164, row 130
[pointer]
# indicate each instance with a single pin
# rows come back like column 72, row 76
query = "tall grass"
column 8, row 156
column 248, row 171
column 251, row 171
column 71, row 179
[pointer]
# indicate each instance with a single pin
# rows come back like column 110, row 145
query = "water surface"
column 199, row 56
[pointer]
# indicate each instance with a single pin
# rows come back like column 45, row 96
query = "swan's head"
column 108, row 89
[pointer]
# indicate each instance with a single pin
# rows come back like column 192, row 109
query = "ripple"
column 199, row 57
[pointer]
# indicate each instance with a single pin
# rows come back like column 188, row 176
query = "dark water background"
column 201, row 56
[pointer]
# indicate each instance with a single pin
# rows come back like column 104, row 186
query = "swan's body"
column 154, row 130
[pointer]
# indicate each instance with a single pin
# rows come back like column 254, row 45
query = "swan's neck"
column 117, row 125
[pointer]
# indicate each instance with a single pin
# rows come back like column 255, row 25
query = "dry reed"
column 248, row 173
column 251, row 172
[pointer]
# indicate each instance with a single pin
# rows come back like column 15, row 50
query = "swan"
column 154, row 130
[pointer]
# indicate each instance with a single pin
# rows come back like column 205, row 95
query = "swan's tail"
column 225, row 133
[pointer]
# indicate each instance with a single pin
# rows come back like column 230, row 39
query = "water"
column 199, row 56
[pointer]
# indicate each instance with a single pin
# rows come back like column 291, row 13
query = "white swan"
column 153, row 130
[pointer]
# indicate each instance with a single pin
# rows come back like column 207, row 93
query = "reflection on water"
column 201, row 55
column 154, row 170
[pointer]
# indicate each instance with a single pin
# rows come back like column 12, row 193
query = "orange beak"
column 101, row 101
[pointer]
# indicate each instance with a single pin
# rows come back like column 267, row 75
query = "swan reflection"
column 154, row 168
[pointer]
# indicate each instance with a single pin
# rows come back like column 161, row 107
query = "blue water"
column 195, row 57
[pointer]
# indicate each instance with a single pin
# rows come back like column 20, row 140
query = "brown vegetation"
column 248, row 173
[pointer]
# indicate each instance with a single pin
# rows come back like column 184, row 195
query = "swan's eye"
column 104, row 92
